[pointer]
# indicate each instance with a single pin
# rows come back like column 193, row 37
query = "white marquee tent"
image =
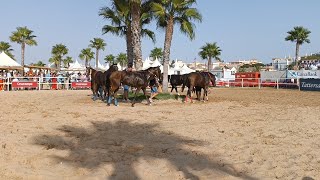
column 76, row 66
column 6, row 61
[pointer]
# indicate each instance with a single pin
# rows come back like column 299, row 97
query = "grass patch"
column 160, row 96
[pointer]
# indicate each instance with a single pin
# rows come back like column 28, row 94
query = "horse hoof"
column 132, row 105
column 108, row 104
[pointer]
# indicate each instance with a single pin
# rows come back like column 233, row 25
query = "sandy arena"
column 238, row 134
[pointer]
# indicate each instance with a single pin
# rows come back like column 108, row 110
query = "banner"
column 310, row 84
column 27, row 84
column 81, row 84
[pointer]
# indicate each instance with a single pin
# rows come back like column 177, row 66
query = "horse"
column 175, row 80
column 138, row 79
column 197, row 80
column 92, row 73
column 100, row 81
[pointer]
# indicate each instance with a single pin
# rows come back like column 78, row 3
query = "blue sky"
column 243, row 29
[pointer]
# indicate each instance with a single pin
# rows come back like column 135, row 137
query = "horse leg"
column 135, row 95
column 95, row 91
column 190, row 94
column 115, row 97
column 104, row 92
column 176, row 88
column 145, row 94
column 207, row 98
column 101, row 89
column 110, row 95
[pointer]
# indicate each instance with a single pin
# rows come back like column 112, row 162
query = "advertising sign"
column 81, row 84
column 30, row 84
column 310, row 84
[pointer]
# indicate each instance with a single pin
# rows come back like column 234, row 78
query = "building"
column 279, row 64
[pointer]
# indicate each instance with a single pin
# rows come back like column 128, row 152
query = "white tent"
column 155, row 63
column 100, row 66
column 7, row 61
column 76, row 66
column 107, row 66
column 119, row 66
column 185, row 69
column 146, row 64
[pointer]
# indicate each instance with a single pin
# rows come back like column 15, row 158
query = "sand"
column 238, row 134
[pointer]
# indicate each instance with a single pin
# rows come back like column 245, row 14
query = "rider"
column 126, row 87
column 154, row 89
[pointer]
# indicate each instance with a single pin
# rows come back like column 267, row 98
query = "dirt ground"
column 238, row 134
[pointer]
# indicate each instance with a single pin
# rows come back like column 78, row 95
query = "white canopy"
column 146, row 64
column 5, row 60
column 186, row 70
column 76, row 66
column 119, row 66
column 100, row 66
column 155, row 63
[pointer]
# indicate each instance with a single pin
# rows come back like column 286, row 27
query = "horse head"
column 156, row 71
column 113, row 67
column 212, row 78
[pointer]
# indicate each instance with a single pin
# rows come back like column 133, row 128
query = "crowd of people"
column 310, row 65
column 51, row 79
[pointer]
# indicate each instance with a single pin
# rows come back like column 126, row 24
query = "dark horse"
column 100, row 80
column 176, row 80
column 197, row 81
column 138, row 79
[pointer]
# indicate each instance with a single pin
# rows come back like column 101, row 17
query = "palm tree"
column 157, row 53
column 58, row 51
column 299, row 35
column 55, row 60
column 169, row 13
column 122, row 59
column 23, row 36
column 98, row 44
column 40, row 64
column 209, row 51
column 67, row 61
column 110, row 59
column 135, row 11
column 87, row 55
column 120, row 17
column 6, row 48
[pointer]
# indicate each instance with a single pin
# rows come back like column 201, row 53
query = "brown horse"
column 100, row 81
column 196, row 81
column 138, row 79
column 92, row 73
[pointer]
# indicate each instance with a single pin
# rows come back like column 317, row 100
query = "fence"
column 45, row 83
column 257, row 82
column 59, row 83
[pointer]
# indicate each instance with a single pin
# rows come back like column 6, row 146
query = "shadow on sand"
column 122, row 144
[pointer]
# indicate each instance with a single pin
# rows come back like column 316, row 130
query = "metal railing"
column 259, row 83
column 60, row 83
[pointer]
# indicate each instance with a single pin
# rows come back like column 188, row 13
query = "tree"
column 110, row 59
column 299, row 35
column 67, row 61
column 98, row 44
column 157, row 53
column 6, row 48
column 40, row 64
column 87, row 55
column 23, row 36
column 209, row 51
column 169, row 13
column 135, row 6
column 120, row 17
column 58, row 51
column 122, row 59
